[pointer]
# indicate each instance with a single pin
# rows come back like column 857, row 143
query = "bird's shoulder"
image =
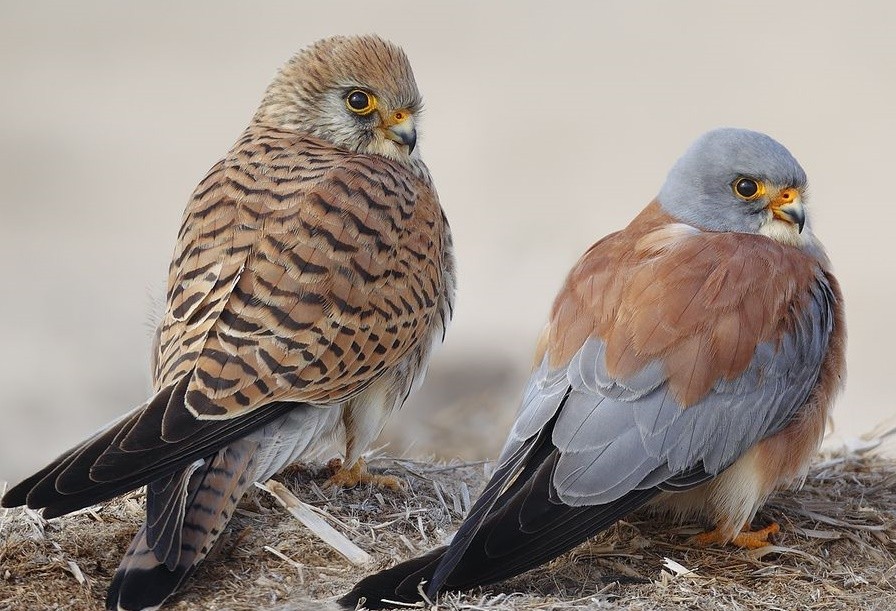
column 663, row 290
column 302, row 272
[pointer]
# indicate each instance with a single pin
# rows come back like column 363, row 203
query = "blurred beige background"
column 545, row 129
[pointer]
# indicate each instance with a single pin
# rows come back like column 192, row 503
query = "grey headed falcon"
column 690, row 363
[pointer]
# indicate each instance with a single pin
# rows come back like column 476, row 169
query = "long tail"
column 522, row 534
column 187, row 511
column 185, row 514
column 517, row 524
column 195, row 472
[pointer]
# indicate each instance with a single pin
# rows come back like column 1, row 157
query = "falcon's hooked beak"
column 788, row 207
column 399, row 126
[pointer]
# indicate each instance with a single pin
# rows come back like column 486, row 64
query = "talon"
column 358, row 474
column 334, row 465
column 746, row 538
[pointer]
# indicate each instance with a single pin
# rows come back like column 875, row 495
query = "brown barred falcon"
column 312, row 277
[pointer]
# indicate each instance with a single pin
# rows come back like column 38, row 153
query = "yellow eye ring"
column 748, row 189
column 360, row 102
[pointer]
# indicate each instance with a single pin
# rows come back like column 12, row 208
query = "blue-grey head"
column 738, row 180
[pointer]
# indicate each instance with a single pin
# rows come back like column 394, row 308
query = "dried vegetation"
column 837, row 550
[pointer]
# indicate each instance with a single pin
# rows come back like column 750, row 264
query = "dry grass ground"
column 837, row 550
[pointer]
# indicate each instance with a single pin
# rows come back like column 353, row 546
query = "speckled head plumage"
column 311, row 94
column 704, row 187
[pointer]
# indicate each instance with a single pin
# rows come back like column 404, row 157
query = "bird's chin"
column 785, row 232
column 390, row 149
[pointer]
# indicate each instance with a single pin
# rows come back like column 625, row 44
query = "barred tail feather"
column 186, row 514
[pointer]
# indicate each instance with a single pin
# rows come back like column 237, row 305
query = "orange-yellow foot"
column 358, row 474
column 746, row 538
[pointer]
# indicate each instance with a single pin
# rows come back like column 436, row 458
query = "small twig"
column 298, row 565
column 5, row 512
column 421, row 529
column 428, row 469
column 375, row 527
column 90, row 511
column 332, row 518
column 315, row 523
column 816, row 534
column 408, row 543
column 759, row 553
column 576, row 602
column 402, row 605
column 676, row 568
column 465, row 497
column 818, row 517
column 406, row 514
column 437, row 488
column 75, row 570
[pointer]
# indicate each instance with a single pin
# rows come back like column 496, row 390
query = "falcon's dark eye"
column 747, row 188
column 360, row 102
